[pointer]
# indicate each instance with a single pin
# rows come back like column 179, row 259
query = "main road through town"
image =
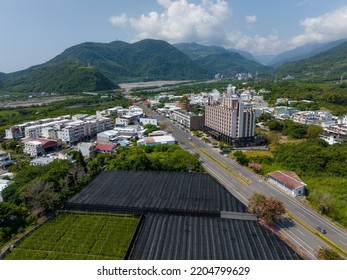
column 242, row 183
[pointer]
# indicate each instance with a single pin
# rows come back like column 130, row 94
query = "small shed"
column 288, row 181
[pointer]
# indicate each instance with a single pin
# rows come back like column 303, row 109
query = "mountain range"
column 328, row 65
column 221, row 60
column 101, row 66
column 303, row 52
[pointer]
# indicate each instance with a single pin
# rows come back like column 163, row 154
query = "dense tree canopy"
column 266, row 208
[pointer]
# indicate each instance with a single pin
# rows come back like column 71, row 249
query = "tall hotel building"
column 230, row 122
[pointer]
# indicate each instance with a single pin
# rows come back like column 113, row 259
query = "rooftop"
column 158, row 139
column 173, row 237
column 105, row 147
column 288, row 178
column 46, row 143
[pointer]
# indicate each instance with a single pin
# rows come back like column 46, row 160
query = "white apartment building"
column 38, row 147
column 17, row 132
column 130, row 131
column 36, row 131
column 78, row 130
column 145, row 121
column 108, row 136
column 33, row 148
column 122, row 121
column 231, row 122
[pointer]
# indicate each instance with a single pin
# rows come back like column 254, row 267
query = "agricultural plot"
column 79, row 237
column 150, row 191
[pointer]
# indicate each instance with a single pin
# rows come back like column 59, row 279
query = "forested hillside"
column 325, row 66
column 66, row 77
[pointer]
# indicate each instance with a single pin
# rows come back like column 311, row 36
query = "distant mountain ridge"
column 101, row 66
column 2, row 76
column 328, row 65
column 303, row 52
column 144, row 60
column 112, row 63
column 221, row 60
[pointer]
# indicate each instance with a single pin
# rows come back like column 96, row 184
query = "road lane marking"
column 301, row 232
column 302, row 215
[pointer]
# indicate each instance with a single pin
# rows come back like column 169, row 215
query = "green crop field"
column 79, row 237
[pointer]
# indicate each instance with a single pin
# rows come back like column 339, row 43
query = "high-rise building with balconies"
column 231, row 122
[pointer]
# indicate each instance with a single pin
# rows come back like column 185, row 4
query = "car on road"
column 320, row 229
column 189, row 138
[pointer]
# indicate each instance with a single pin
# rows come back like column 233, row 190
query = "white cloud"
column 269, row 44
column 206, row 22
column 182, row 21
column 257, row 44
column 251, row 19
column 238, row 40
column 330, row 26
column 119, row 20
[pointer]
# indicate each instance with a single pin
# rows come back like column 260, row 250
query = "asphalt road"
column 303, row 238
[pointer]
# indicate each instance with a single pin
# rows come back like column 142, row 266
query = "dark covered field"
column 171, row 237
column 141, row 192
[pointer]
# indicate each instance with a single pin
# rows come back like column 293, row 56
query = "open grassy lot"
column 79, row 237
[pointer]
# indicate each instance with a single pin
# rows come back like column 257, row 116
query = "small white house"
column 288, row 181
column 157, row 140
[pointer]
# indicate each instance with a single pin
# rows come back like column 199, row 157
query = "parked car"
column 320, row 229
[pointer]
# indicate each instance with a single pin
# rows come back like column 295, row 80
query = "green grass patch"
column 258, row 153
column 79, row 237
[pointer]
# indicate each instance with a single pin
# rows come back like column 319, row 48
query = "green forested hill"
column 328, row 65
column 144, row 60
column 303, row 52
column 2, row 76
column 65, row 77
column 220, row 60
column 105, row 62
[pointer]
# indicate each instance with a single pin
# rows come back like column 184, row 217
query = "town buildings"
column 66, row 128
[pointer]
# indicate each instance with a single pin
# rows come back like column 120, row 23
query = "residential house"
column 287, row 181
column 157, row 140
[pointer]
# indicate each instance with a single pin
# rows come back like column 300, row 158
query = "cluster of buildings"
column 227, row 117
column 335, row 128
column 66, row 129
column 102, row 132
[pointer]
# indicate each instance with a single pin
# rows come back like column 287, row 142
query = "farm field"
column 79, row 237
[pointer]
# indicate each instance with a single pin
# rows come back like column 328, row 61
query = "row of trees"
column 295, row 130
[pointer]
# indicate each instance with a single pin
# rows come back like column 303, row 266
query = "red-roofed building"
column 288, row 181
column 105, row 148
column 39, row 146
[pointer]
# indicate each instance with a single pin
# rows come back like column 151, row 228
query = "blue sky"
column 34, row 31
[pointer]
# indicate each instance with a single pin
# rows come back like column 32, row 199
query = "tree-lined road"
column 303, row 238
